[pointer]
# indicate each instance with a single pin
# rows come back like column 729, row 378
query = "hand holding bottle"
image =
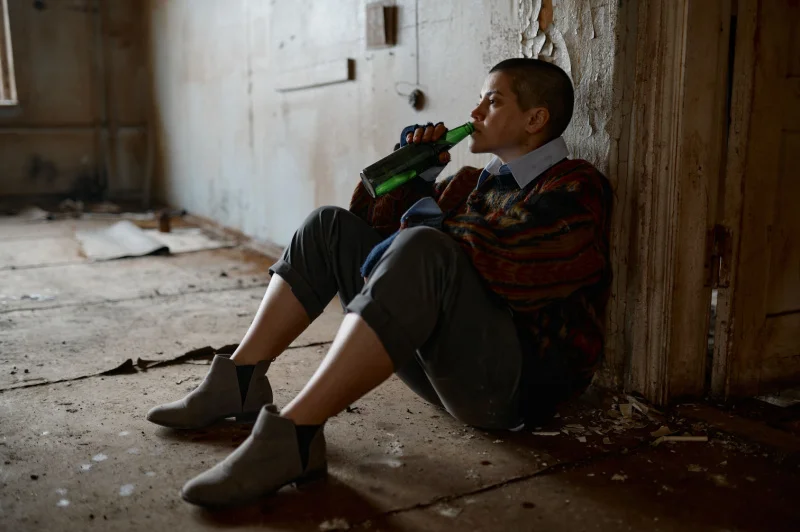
column 430, row 133
column 426, row 147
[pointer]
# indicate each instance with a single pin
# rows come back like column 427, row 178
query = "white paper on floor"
column 126, row 239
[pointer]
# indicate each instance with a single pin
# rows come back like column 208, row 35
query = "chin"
column 475, row 147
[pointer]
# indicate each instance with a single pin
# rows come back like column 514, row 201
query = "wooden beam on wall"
column 617, row 345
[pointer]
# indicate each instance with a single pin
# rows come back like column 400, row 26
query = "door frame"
column 667, row 165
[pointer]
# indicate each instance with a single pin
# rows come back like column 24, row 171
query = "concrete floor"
column 77, row 454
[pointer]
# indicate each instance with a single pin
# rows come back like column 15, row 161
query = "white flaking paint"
column 99, row 457
column 126, row 490
column 582, row 40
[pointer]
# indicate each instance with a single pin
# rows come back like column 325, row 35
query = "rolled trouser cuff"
column 396, row 341
column 301, row 289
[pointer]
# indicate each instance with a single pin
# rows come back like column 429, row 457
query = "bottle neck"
column 454, row 136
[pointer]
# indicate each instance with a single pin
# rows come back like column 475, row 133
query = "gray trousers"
column 450, row 341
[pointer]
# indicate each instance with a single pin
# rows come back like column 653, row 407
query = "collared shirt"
column 530, row 166
column 523, row 170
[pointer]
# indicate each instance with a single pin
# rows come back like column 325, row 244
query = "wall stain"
column 40, row 168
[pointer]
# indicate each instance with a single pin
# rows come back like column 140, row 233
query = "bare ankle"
column 246, row 359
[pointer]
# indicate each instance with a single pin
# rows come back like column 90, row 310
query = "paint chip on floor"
column 62, row 503
column 99, row 457
column 334, row 524
column 126, row 490
column 133, row 450
column 151, row 473
column 61, row 491
column 86, row 467
column 449, row 511
column 124, row 433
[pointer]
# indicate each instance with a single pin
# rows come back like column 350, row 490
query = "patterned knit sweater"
column 542, row 250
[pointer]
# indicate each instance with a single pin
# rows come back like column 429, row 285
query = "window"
column 8, row 87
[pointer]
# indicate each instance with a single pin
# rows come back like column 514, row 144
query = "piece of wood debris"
column 582, row 439
column 663, row 431
column 663, row 439
column 546, row 433
column 637, row 405
column 626, row 410
column 575, row 426
column 619, row 478
column 721, row 481
column 606, row 441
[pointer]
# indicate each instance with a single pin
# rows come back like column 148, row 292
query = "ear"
column 538, row 118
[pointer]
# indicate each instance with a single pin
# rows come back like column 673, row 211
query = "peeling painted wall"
column 580, row 37
column 234, row 149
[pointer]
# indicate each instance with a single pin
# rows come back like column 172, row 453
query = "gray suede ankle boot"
column 266, row 461
column 216, row 398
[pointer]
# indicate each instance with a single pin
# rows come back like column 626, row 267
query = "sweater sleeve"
column 541, row 250
column 383, row 213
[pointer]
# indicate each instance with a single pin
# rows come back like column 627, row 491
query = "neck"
column 515, row 152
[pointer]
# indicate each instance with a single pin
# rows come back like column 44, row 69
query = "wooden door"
column 759, row 300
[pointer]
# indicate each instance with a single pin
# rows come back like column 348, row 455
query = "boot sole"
column 310, row 478
column 240, row 418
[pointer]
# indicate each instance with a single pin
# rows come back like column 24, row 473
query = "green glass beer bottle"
column 409, row 161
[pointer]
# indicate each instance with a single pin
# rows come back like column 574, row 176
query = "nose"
column 477, row 114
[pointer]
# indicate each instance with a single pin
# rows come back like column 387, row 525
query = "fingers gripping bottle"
column 409, row 161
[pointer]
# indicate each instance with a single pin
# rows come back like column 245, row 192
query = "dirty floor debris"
column 87, row 348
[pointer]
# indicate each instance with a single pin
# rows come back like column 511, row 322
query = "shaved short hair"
column 537, row 83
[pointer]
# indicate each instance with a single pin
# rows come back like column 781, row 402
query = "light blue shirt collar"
column 531, row 165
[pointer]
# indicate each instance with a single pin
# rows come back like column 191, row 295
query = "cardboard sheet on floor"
column 126, row 239
column 123, row 239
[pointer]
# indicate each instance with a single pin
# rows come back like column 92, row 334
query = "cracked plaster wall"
column 580, row 37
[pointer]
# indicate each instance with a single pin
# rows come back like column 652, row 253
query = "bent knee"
column 327, row 212
column 424, row 240
column 325, row 215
